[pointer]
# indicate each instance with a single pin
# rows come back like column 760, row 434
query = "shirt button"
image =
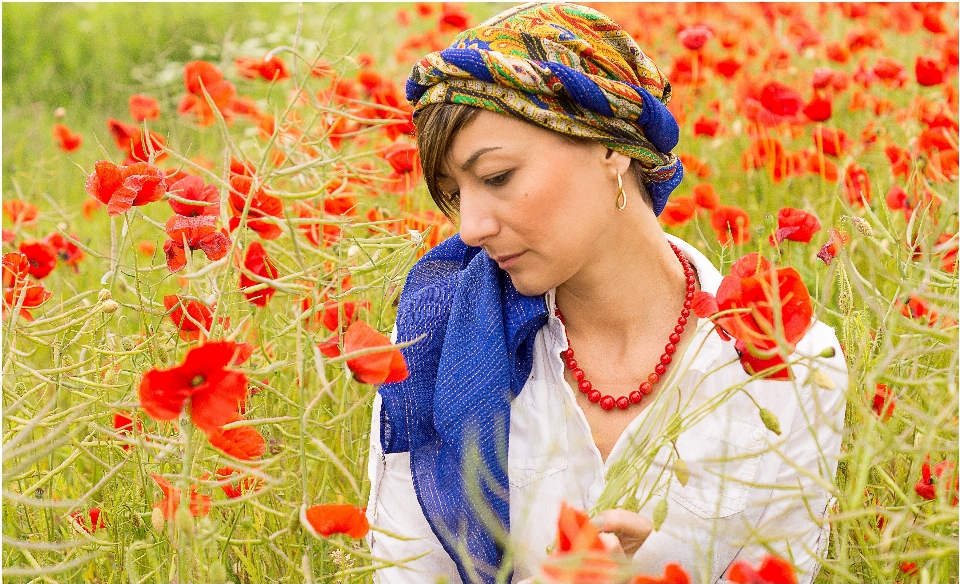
column 758, row 434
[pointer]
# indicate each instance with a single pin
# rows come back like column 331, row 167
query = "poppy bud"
column 863, row 226
column 821, row 379
column 126, row 343
column 217, row 573
column 104, row 295
column 162, row 353
column 659, row 514
column 828, row 353
column 109, row 376
column 184, row 520
column 770, row 421
column 109, row 306
column 156, row 519
column 681, row 471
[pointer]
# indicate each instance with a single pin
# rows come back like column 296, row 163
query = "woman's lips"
column 507, row 261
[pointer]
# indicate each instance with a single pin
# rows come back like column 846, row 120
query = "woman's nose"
column 478, row 220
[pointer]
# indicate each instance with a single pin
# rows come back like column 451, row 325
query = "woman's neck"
column 624, row 294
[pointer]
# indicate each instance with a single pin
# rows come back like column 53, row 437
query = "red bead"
column 578, row 374
column 682, row 321
column 571, row 364
column 623, row 403
column 594, row 396
column 679, row 328
column 691, row 288
column 653, row 378
column 568, row 354
column 665, row 359
column 675, row 338
column 687, row 303
column 670, row 348
column 691, row 279
column 585, row 386
column 685, row 313
column 636, row 396
column 659, row 370
column 607, row 402
column 646, row 387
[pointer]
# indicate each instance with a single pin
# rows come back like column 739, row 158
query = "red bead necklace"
column 608, row 402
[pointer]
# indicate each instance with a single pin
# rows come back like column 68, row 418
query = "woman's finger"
column 631, row 529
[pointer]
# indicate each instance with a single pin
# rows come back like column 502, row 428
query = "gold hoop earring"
column 621, row 194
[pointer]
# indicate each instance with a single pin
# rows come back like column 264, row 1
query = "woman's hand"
column 623, row 530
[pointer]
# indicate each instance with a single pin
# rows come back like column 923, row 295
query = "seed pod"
column 110, row 375
column 659, row 514
column 127, row 343
column 104, row 295
column 157, row 520
column 828, row 353
column 162, row 353
column 770, row 420
column 109, row 306
column 681, row 471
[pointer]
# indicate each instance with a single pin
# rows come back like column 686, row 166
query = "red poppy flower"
column 405, row 161
column 704, row 126
column 326, row 520
column 132, row 140
column 822, row 166
column 727, row 67
column 694, row 166
column 17, row 289
column 926, row 487
column 578, row 538
column 863, row 38
column 818, row 109
column 193, row 233
column 122, row 187
column 214, row 392
column 772, row 570
column 125, row 423
column 193, row 322
column 262, row 206
column 884, row 402
column 66, row 139
column 899, row 160
column 672, row 574
column 199, row 504
column 780, row 100
column 694, row 37
column 452, row 18
column 705, row 196
column 243, row 442
column 832, row 142
column 144, row 107
column 257, row 262
column 90, row 521
column 732, row 225
column 245, row 485
column 192, row 188
column 329, row 314
column 890, row 70
column 756, row 285
column 42, row 258
column 908, row 567
column 833, row 246
column 856, row 184
column 197, row 77
column 947, row 245
column 380, row 367
column 273, row 69
column 66, row 250
column 795, row 225
column 928, row 71
column 837, row 53
column 20, row 212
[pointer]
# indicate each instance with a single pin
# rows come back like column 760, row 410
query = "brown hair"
column 437, row 126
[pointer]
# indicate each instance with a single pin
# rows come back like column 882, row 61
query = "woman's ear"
column 618, row 163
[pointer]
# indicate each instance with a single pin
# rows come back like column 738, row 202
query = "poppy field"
column 206, row 234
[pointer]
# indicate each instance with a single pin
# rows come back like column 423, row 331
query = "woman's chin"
column 529, row 286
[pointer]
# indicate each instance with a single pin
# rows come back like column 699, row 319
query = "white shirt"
column 749, row 491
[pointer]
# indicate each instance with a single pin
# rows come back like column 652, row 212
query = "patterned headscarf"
column 566, row 68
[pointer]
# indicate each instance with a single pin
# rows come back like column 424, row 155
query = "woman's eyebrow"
column 473, row 159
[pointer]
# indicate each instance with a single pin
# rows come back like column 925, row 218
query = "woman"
column 544, row 130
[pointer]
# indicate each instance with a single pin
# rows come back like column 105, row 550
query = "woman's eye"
column 498, row 180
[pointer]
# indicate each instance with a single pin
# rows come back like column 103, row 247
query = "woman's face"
column 540, row 205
